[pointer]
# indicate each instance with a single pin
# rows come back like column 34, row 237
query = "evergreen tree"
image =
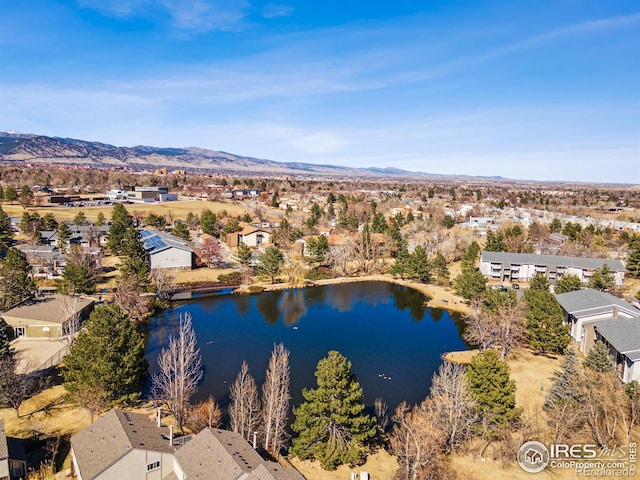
column 64, row 235
column 545, row 329
column 233, row 225
column 80, row 219
column 539, row 281
column 470, row 257
column 448, row 222
column 470, row 284
column 379, row 223
column 181, row 231
column 5, row 230
column 602, row 279
column 332, row 425
column 599, row 360
column 49, row 222
column 77, row 279
column 401, row 266
column 106, row 363
column 131, row 245
column 16, row 284
column 209, row 223
column 121, row 221
column 492, row 389
column 439, row 269
column 419, row 266
column 100, row 219
column 156, row 221
column 11, row 194
column 26, row 196
column 318, row 248
column 244, row 255
column 271, row 262
column 6, row 351
column 1, row 194
column 555, row 226
column 568, row 283
column 495, row 242
column 566, row 385
column 633, row 260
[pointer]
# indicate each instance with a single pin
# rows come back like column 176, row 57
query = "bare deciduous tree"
column 453, row 405
column 71, row 326
column 206, row 414
column 127, row 297
column 16, row 386
column 180, row 371
column 382, row 415
column 275, row 397
column 210, row 252
column 164, row 283
column 244, row 410
column 418, row 443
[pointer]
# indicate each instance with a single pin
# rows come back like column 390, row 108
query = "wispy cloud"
column 275, row 10
column 187, row 15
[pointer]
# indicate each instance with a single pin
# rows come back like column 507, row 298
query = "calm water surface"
column 393, row 341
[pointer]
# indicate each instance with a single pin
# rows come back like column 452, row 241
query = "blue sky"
column 544, row 90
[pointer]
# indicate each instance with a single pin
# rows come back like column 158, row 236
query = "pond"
column 392, row 339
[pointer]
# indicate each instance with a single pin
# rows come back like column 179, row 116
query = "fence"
column 54, row 359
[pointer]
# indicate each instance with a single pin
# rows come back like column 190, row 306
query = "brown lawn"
column 175, row 210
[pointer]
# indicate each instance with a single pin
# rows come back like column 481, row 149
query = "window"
column 153, row 466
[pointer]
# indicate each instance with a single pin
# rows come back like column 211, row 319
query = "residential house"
column 46, row 260
column 251, row 236
column 129, row 445
column 47, row 317
column 13, row 459
column 522, row 266
column 166, row 251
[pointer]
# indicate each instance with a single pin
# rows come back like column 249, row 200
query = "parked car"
column 515, row 286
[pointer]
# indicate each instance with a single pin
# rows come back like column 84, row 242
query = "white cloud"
column 275, row 10
column 187, row 15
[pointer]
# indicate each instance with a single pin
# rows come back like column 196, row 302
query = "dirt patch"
column 380, row 466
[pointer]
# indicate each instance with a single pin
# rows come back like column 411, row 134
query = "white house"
column 166, row 251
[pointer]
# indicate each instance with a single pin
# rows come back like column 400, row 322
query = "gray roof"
column 225, row 455
column 592, row 302
column 552, row 261
column 112, row 436
column 155, row 242
column 48, row 309
column 622, row 333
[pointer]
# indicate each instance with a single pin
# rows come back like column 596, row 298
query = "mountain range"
column 19, row 148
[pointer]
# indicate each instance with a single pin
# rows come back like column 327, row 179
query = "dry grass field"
column 176, row 210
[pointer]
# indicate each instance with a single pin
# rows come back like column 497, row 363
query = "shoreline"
column 438, row 296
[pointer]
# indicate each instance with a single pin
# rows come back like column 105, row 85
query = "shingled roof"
column 114, row 435
column 49, row 309
column 225, row 455
column 592, row 302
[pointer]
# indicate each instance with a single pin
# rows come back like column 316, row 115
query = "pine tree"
column 539, row 281
column 331, row 423
column 439, row 268
column 568, row 283
column 181, row 231
column 244, row 255
column 492, row 389
column 106, row 362
column 64, row 235
column 566, row 385
column 633, row 260
column 599, row 360
column 6, row 350
column 5, row 230
column 16, row 284
column 495, row 242
column 80, row 219
column 545, row 329
column 209, row 223
column 602, row 279
column 49, row 221
column 470, row 284
column 271, row 262
column 121, row 221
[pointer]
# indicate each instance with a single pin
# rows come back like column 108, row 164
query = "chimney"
column 159, row 416
column 254, row 440
column 615, row 312
column 171, row 435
